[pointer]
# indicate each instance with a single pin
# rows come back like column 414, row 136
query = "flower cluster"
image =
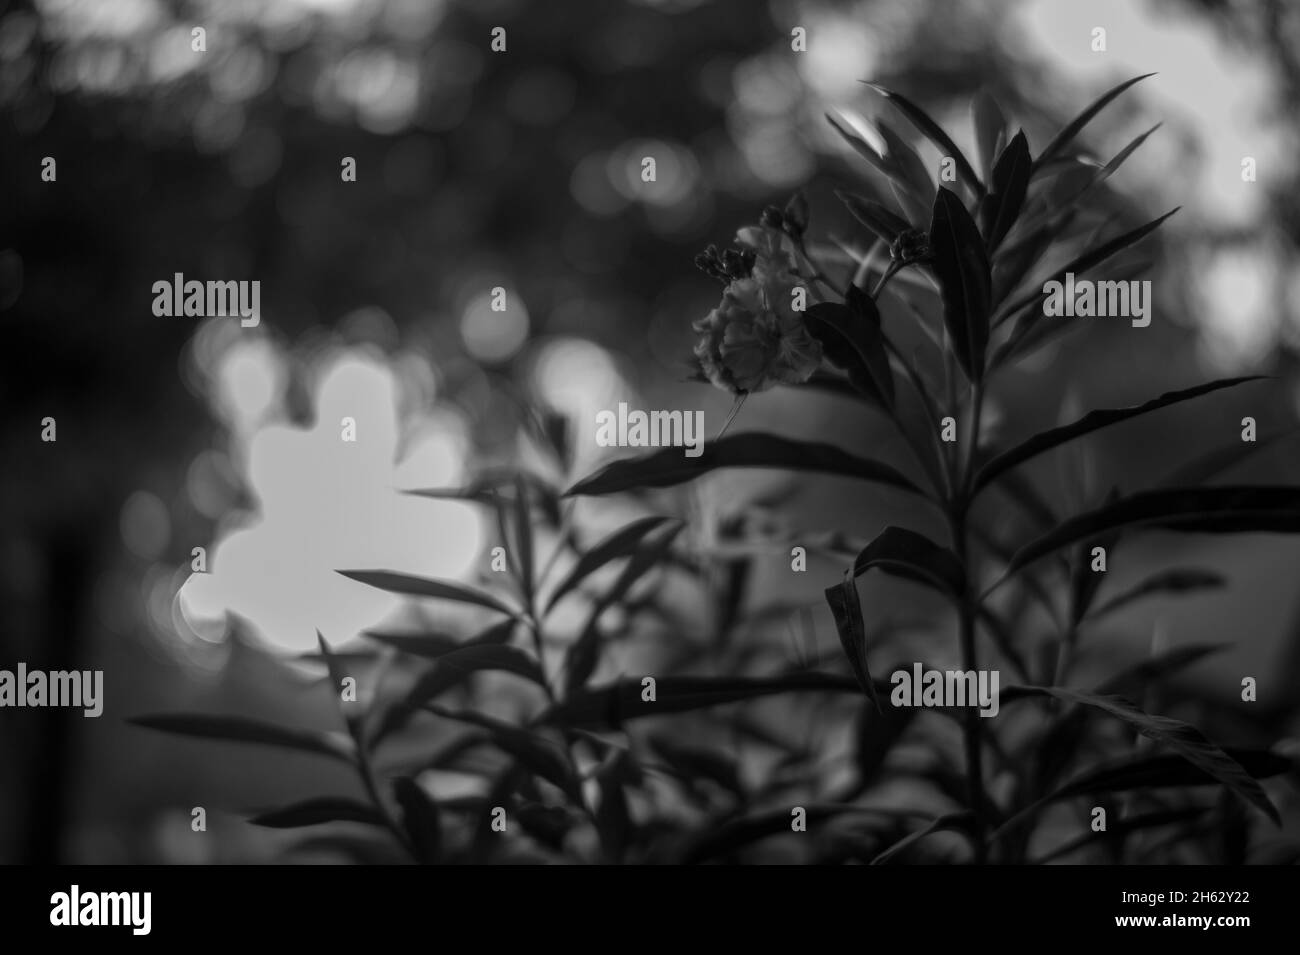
column 754, row 339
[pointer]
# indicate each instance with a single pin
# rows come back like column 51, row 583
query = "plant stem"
column 893, row 269
column 367, row 773
column 971, row 728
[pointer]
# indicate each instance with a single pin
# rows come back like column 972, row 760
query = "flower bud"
column 910, row 246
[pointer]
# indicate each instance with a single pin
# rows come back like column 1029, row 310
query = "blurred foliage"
column 478, row 169
column 603, row 751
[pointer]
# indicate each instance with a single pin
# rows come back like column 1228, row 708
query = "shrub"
column 686, row 763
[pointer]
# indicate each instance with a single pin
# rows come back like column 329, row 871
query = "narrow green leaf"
column 461, row 662
column 621, row 543
column 905, row 553
column 486, row 486
column 613, row 818
column 694, row 762
column 669, row 466
column 876, row 733
column 851, row 628
column 861, row 147
column 1205, row 467
column 352, row 713
column 1036, row 334
column 990, row 127
column 538, row 755
column 1000, row 208
column 432, row 645
column 583, row 655
column 1063, row 740
column 1150, row 772
column 935, row 133
column 420, row 819
column 953, row 822
column 1088, row 260
column 961, row 264
column 1084, row 583
column 1076, row 125
column 1209, row 510
column 898, row 163
column 854, row 343
column 451, row 670
column 885, row 224
column 314, row 812
column 1094, row 421
column 612, row 705
column 523, row 522
column 909, row 171
column 1136, row 677
column 1181, row 737
column 1089, row 179
column 410, row 586
column 1178, row 580
column 833, row 383
column 237, row 729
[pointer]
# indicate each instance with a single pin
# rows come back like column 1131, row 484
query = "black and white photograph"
column 651, row 433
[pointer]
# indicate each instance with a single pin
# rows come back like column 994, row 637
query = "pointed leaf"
column 485, row 486
column 1076, row 125
column 954, row 822
column 351, row 712
column 935, row 133
column 237, row 729
column 1150, row 772
column 905, row 553
column 1089, row 179
column 314, row 812
column 523, row 521
column 861, row 147
column 1181, row 737
column 1031, row 334
column 961, row 264
column 885, row 224
column 451, row 670
column 1094, row 421
column 432, row 645
column 1210, row 510
column 990, row 126
column 1089, row 260
column 847, row 610
column 669, row 466
column 909, row 171
column 420, row 819
column 580, row 662
column 695, row 762
column 999, row 209
column 613, row 819
column 538, row 755
column 1179, row 580
column 1211, row 464
column 613, row 704
column 854, row 343
column 410, row 586
column 621, row 543
column 1133, row 679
